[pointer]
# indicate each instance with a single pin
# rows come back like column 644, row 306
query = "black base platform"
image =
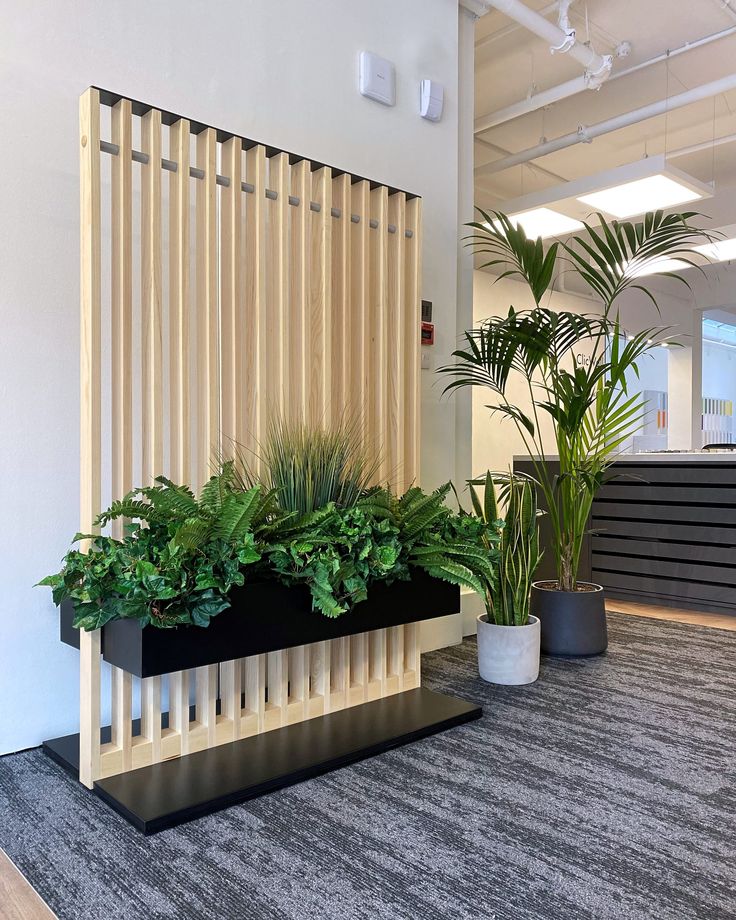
column 166, row 794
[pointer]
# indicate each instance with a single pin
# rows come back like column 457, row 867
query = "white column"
column 680, row 398
column 696, row 377
column 445, row 631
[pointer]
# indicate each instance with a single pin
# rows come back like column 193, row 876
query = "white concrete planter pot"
column 508, row 654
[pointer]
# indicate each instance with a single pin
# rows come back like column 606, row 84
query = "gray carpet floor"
column 605, row 790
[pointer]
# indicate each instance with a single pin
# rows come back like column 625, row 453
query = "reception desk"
column 663, row 531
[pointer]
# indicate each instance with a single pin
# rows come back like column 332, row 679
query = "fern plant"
column 454, row 547
column 177, row 562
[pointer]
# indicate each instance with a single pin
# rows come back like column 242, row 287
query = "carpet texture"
column 605, row 790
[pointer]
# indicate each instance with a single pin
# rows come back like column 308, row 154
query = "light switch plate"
column 377, row 78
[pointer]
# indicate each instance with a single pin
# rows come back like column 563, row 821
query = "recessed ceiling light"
column 544, row 222
column 652, row 193
column 720, row 251
column 656, row 266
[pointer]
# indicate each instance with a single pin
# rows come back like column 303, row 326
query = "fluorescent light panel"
column 544, row 222
column 719, row 251
column 578, row 198
column 652, row 193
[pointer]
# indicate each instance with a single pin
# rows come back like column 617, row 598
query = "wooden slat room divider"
column 251, row 282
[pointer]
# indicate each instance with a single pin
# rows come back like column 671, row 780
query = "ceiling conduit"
column 578, row 85
column 586, row 133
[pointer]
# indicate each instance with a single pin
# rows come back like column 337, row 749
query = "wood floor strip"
column 675, row 615
column 18, row 900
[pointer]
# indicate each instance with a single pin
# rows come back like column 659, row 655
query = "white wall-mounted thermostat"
column 431, row 99
column 377, row 78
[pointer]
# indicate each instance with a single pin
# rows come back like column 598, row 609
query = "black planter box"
column 264, row 617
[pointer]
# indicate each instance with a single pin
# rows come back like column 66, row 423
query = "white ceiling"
column 510, row 60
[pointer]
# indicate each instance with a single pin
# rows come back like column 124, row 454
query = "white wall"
column 283, row 73
column 495, row 440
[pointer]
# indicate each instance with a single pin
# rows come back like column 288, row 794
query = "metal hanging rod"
column 196, row 173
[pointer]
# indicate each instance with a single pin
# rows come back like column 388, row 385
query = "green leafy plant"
column 337, row 552
column 455, row 547
column 309, row 519
column 514, row 505
column 181, row 555
column 177, row 561
column 591, row 410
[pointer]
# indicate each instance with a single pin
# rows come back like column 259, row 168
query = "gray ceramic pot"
column 573, row 622
column 508, row 654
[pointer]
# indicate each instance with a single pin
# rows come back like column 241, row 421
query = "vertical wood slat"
column 121, row 384
column 151, row 715
column 301, row 188
column 395, row 347
column 255, row 285
column 339, row 673
column 230, row 697
column 376, row 339
column 255, row 683
column 208, row 421
column 151, row 294
column 298, row 669
column 411, row 399
column 319, row 678
column 358, row 676
column 179, row 708
column 320, row 300
column 340, row 295
column 278, row 694
column 206, row 705
column 376, row 664
column 275, row 341
column 394, row 659
column 412, row 656
column 179, row 304
column 412, row 341
column 90, row 467
column 231, row 293
column 122, row 715
column 360, row 303
column 121, row 307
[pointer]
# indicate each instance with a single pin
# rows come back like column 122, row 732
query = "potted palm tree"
column 591, row 410
column 508, row 635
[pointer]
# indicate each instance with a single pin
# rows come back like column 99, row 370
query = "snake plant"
column 518, row 555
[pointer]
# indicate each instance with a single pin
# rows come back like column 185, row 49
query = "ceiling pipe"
column 578, row 85
column 534, row 167
column 586, row 133
column 596, row 65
